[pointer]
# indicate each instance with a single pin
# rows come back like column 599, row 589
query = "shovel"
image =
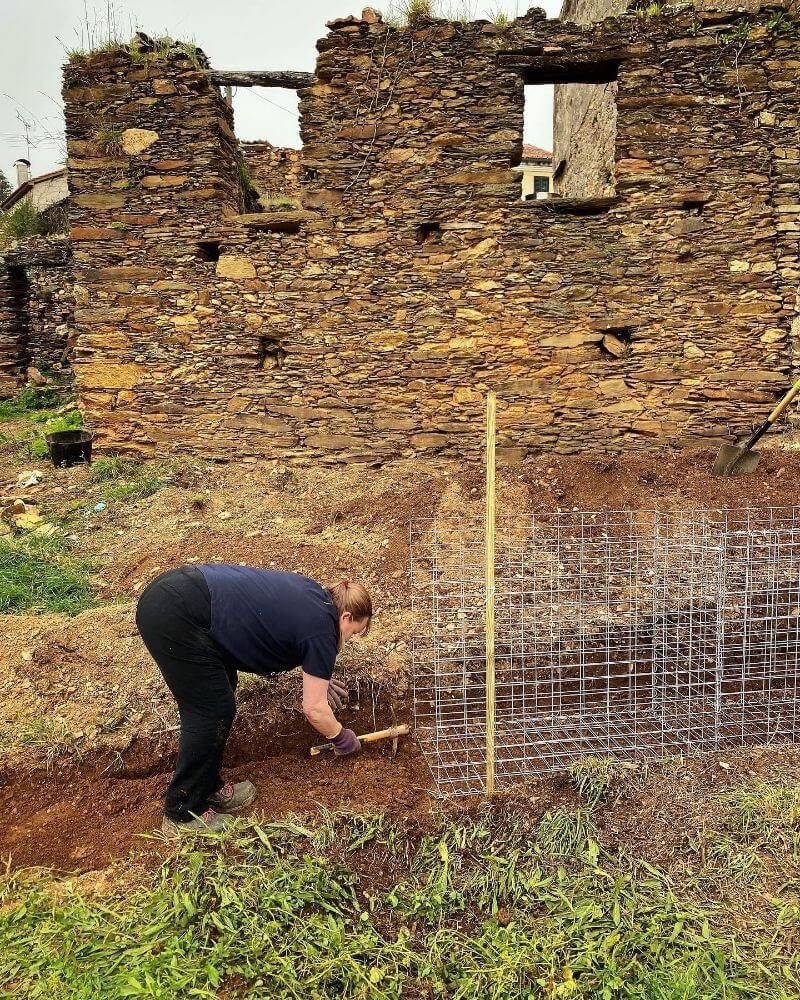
column 739, row 459
column 393, row 733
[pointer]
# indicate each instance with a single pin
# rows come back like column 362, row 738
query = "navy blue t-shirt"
column 268, row 621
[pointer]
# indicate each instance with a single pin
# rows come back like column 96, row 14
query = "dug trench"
column 80, row 815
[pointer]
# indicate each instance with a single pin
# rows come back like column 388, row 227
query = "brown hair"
column 351, row 596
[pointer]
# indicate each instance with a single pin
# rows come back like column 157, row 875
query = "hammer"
column 392, row 733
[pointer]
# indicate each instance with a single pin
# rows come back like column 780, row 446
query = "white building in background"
column 43, row 192
column 536, row 170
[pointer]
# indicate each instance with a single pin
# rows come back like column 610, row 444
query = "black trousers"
column 174, row 620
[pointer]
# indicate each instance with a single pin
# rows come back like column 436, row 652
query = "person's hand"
column 346, row 742
column 337, row 694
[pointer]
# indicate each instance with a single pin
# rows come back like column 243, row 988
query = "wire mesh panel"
column 622, row 633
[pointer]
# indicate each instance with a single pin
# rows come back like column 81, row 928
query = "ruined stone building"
column 654, row 299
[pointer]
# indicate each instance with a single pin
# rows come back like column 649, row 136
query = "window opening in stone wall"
column 616, row 342
column 535, row 169
column 267, row 125
column 269, row 354
column 570, row 132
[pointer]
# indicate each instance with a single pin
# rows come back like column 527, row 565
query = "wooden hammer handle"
column 382, row 734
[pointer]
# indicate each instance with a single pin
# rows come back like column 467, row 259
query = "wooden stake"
column 490, row 697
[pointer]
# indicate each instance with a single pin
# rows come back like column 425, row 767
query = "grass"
column 108, row 140
column 30, row 400
column 28, row 443
column 164, row 47
column 767, row 815
column 337, row 909
column 42, row 574
column 564, row 833
column 50, row 737
column 126, row 479
column 402, row 13
column 250, row 193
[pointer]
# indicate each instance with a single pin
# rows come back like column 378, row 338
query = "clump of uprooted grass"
column 43, row 573
column 354, row 906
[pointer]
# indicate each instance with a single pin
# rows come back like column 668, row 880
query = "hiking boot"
column 210, row 822
column 233, row 797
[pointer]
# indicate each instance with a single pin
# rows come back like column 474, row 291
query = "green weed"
column 144, row 483
column 28, row 441
column 20, row 222
column 71, row 421
column 162, row 49
column 112, row 467
column 128, row 479
column 289, row 910
column 39, row 573
column 108, row 140
column 28, row 401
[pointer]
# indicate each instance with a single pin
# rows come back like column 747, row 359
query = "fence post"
column 490, row 589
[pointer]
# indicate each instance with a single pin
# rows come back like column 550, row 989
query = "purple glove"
column 346, row 742
column 337, row 694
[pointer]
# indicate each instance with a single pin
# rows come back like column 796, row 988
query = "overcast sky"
column 235, row 34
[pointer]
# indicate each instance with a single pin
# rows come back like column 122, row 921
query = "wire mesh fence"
column 624, row 633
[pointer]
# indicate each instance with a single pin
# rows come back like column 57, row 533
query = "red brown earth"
column 91, row 672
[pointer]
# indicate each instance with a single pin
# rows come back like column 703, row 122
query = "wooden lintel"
column 287, row 79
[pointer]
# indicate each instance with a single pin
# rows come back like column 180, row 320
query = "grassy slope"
column 495, row 906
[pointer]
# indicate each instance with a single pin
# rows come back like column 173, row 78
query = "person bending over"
column 201, row 624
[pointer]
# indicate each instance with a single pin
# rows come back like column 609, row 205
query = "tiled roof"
column 530, row 152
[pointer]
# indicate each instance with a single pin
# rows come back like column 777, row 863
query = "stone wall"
column 275, row 171
column 585, row 118
column 13, row 355
column 371, row 323
column 36, row 308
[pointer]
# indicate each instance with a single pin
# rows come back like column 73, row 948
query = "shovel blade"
column 734, row 460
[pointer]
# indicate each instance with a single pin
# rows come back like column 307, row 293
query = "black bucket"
column 70, row 447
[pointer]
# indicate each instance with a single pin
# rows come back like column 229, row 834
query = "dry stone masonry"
column 36, row 308
column 659, row 304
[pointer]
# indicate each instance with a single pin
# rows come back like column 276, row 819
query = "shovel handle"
column 790, row 395
column 777, row 411
column 381, row 734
